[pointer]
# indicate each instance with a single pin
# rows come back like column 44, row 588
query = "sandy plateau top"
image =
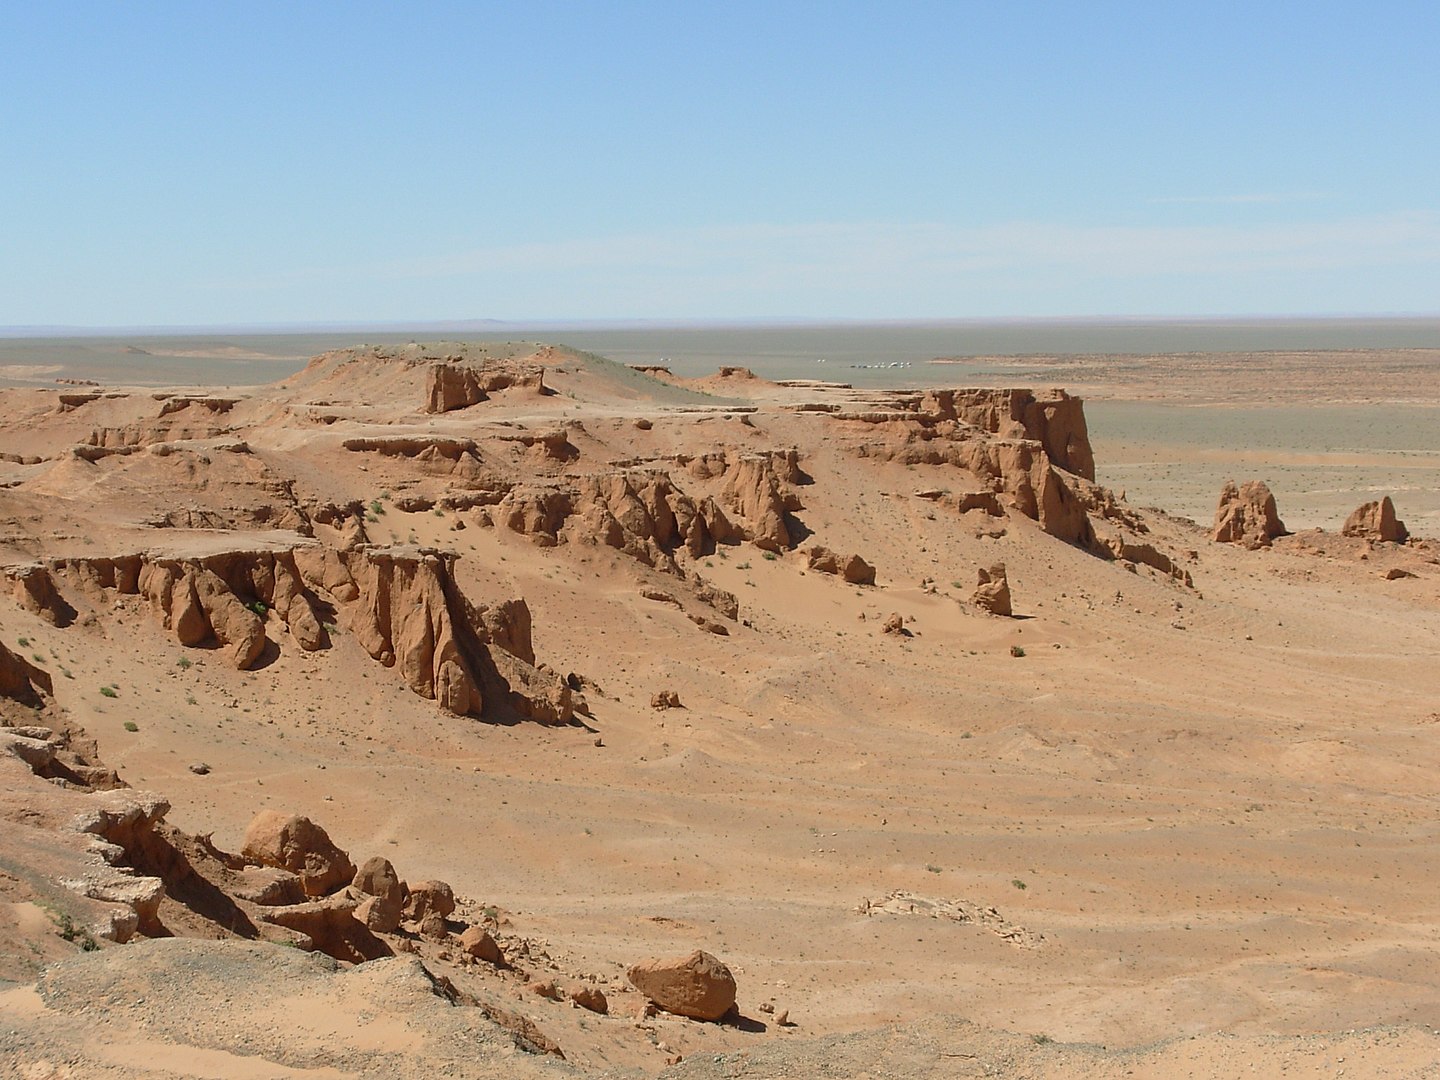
column 962, row 764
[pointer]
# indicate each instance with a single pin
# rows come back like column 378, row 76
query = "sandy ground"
column 1204, row 819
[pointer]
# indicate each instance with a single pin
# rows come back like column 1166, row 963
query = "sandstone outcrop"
column 454, row 384
column 1246, row 515
column 698, row 985
column 852, row 568
column 1376, row 521
column 992, row 594
column 401, row 604
column 297, row 844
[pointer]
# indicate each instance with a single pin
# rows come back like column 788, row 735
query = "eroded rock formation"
column 1247, row 515
column 1376, row 521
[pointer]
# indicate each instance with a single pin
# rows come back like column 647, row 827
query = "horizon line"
column 60, row 330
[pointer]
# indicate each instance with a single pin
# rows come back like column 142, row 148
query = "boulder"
column 857, row 571
column 698, row 985
column 822, row 560
column 1246, row 515
column 477, row 942
column 297, row 844
column 384, row 895
column 853, row 569
column 992, row 594
column 665, row 699
column 894, row 623
column 429, row 898
column 589, row 997
column 1376, row 521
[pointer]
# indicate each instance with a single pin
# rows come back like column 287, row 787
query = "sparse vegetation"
column 259, row 607
column 130, row 725
column 1016, row 650
column 108, row 691
column 77, row 935
column 1019, row 884
column 183, row 663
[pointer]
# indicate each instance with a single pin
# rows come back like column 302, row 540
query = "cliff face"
column 401, row 604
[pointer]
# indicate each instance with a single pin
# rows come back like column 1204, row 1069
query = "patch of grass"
column 37, row 658
column 183, row 663
column 377, row 507
column 190, row 700
column 24, row 642
column 130, row 725
column 1019, row 884
column 77, row 935
column 1016, row 650
column 932, row 868
column 108, row 691
column 259, row 607
column 770, row 556
column 1041, row 1040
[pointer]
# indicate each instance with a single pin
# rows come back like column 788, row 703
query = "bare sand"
column 1140, row 827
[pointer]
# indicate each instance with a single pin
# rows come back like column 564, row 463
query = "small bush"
column 77, row 934
column 130, row 725
column 183, row 663
column 24, row 641
column 377, row 507
column 259, row 607
column 1016, row 650
column 1019, row 884
column 108, row 691
column 770, row 556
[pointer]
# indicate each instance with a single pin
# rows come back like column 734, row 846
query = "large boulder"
column 1247, row 515
column 430, row 903
column 992, row 594
column 1376, row 521
column 384, row 895
column 698, row 985
column 297, row 844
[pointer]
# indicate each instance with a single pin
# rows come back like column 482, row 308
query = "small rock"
column 665, row 699
column 199, row 768
column 545, row 988
column 590, row 997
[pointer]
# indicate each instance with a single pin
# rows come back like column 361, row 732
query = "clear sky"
column 250, row 162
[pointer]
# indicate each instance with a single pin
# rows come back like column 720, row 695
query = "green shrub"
column 108, row 691
column 130, row 725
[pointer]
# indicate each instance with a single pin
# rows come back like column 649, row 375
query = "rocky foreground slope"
column 469, row 606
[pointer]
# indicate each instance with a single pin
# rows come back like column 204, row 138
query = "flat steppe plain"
column 1186, row 828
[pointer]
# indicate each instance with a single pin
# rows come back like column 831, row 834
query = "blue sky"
column 205, row 163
